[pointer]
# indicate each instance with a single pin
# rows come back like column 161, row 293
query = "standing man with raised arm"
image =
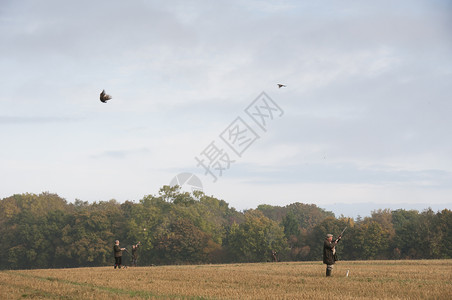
column 118, row 254
column 135, row 254
column 329, row 252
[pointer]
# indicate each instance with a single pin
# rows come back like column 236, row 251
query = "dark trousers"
column 118, row 261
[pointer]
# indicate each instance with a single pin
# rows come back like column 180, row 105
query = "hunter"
column 329, row 252
column 118, row 254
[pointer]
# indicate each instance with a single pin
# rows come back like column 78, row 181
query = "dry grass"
column 426, row 279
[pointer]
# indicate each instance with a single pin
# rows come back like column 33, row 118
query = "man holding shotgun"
column 329, row 252
column 118, row 254
column 135, row 254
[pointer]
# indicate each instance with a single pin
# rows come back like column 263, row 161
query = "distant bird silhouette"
column 104, row 97
column 280, row 85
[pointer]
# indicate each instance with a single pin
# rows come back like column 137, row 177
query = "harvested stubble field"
column 424, row 279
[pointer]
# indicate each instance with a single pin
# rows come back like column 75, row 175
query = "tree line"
column 175, row 227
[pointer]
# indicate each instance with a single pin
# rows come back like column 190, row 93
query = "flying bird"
column 280, row 85
column 104, row 97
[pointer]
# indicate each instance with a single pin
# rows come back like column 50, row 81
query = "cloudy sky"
column 365, row 117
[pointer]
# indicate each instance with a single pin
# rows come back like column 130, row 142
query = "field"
column 422, row 279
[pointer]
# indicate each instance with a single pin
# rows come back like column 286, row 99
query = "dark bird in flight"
column 280, row 85
column 104, row 97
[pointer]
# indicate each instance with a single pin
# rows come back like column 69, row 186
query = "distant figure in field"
column 274, row 256
column 329, row 253
column 118, row 254
column 135, row 254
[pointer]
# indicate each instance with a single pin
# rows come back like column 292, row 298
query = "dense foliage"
column 174, row 227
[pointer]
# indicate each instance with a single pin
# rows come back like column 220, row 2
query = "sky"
column 364, row 120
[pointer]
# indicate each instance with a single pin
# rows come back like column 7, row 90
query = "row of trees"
column 174, row 227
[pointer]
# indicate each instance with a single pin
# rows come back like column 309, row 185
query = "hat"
column 329, row 235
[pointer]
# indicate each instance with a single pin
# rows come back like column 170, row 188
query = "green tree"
column 368, row 240
column 407, row 226
column 253, row 240
column 183, row 242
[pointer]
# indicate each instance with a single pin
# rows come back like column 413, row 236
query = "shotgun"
column 340, row 235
